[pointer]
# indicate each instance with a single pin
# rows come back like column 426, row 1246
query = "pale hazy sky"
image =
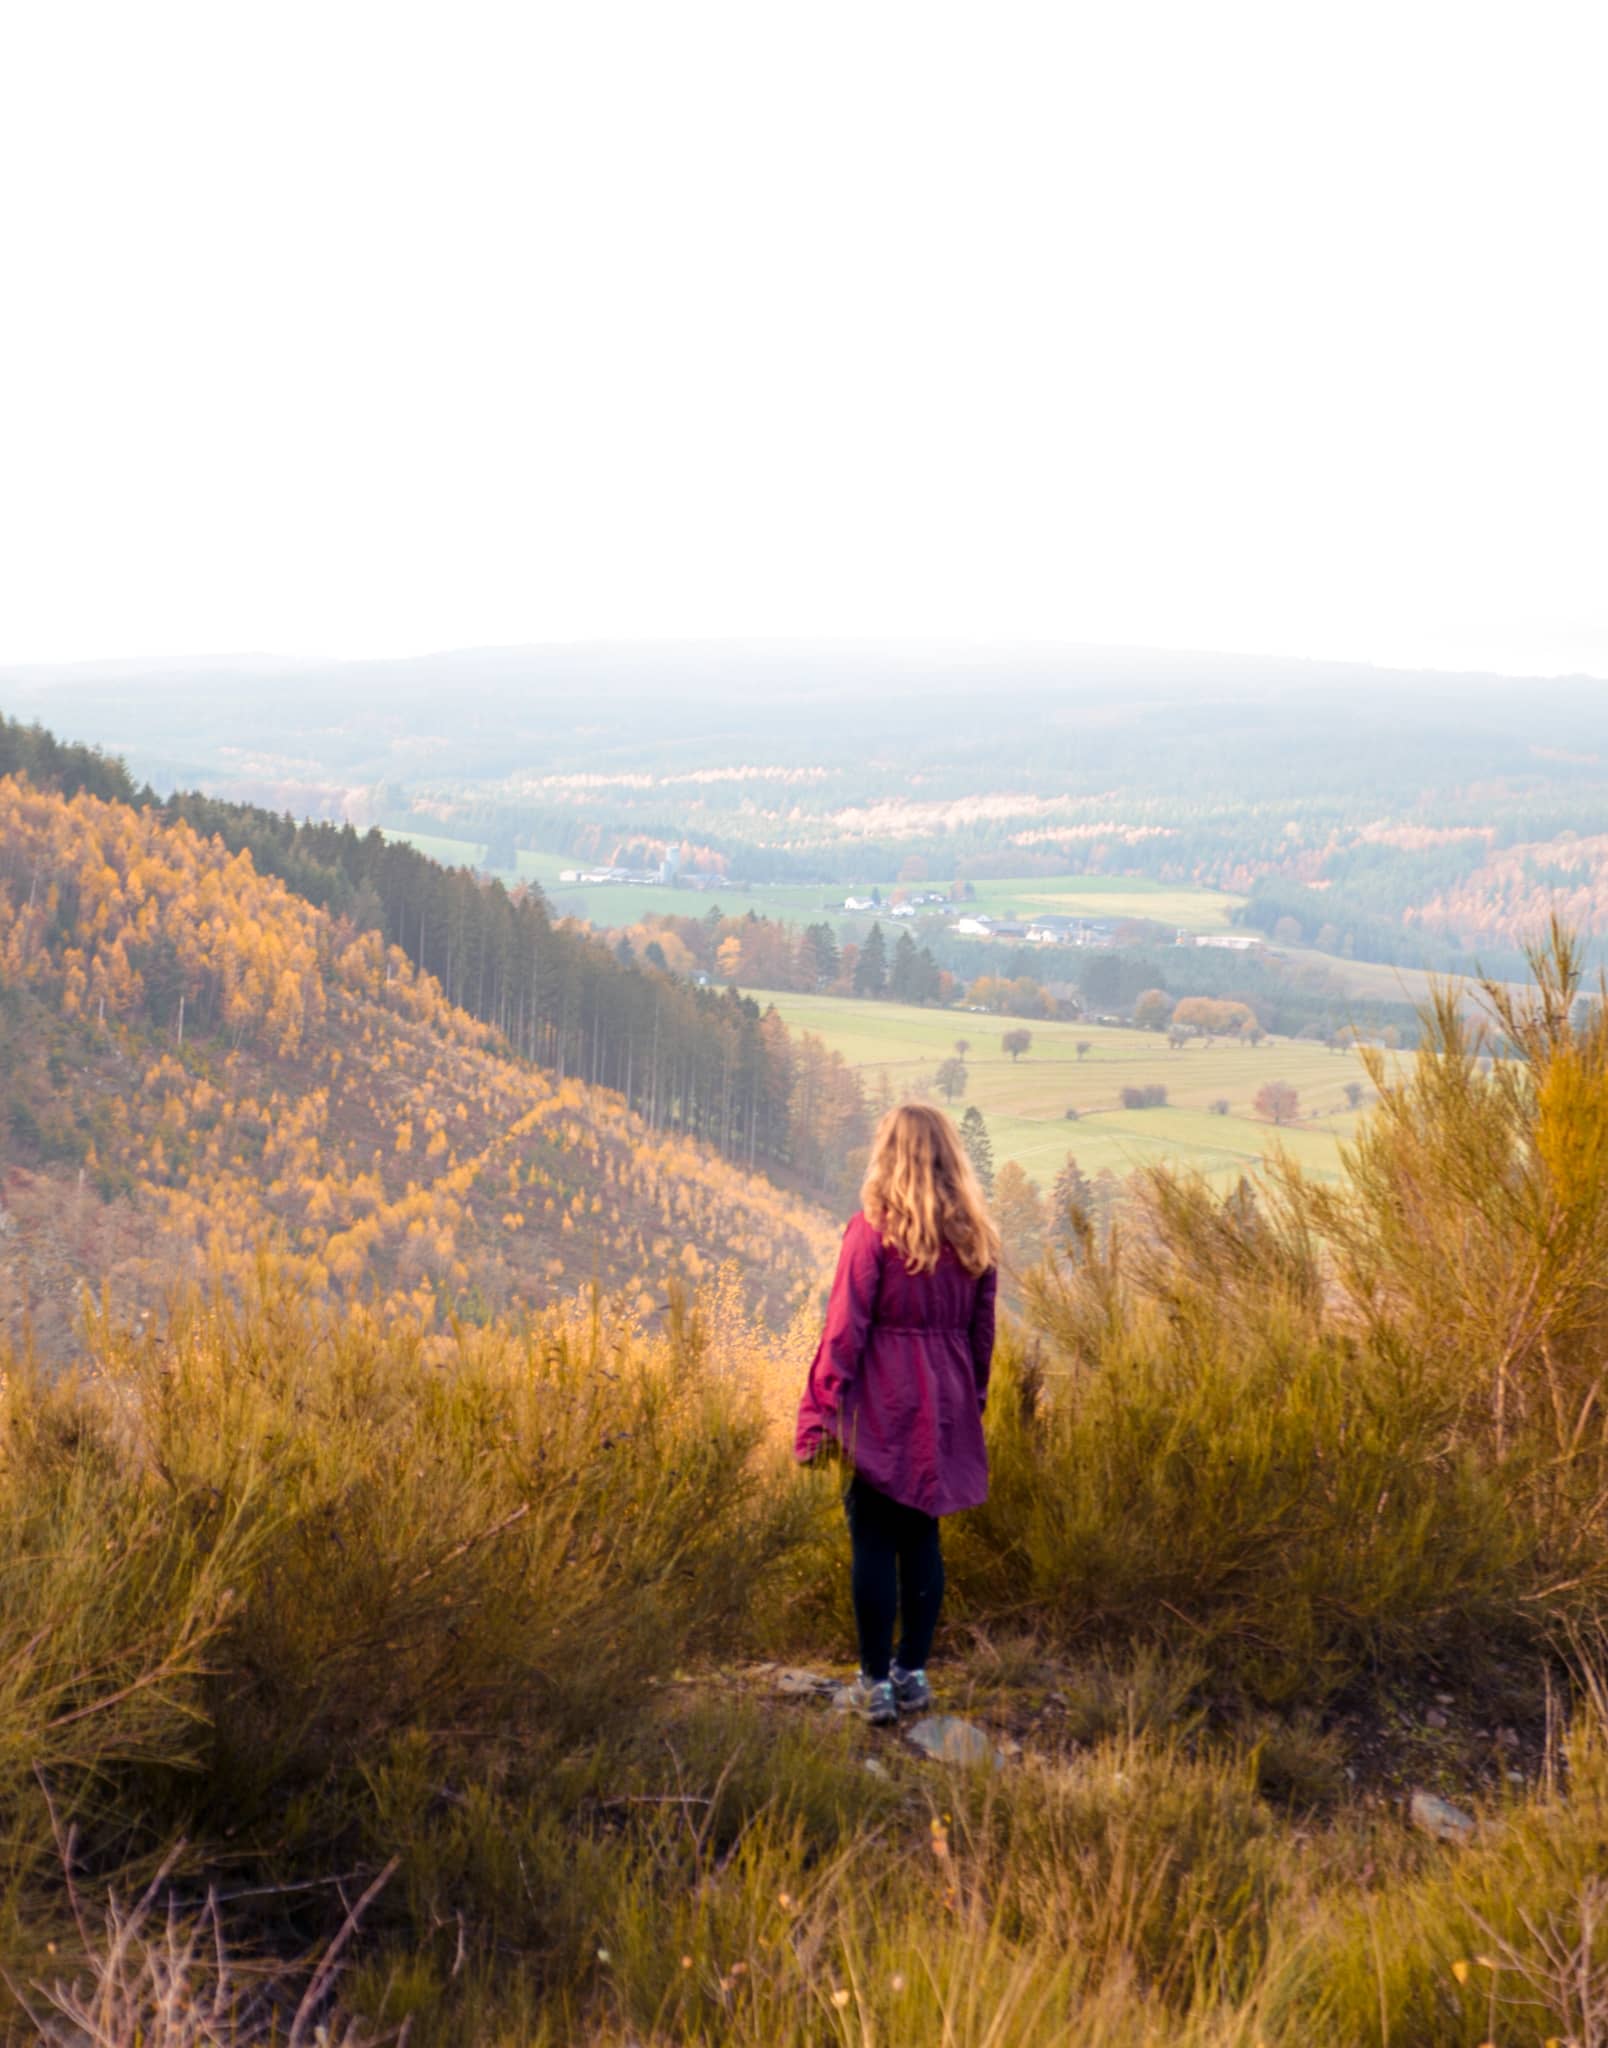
column 377, row 328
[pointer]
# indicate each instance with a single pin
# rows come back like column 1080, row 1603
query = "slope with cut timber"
column 196, row 1063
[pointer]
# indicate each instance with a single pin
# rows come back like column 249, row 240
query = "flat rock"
column 1439, row 1817
column 953, row 1741
column 800, row 1684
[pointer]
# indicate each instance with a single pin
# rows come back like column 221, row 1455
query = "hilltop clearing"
column 194, row 1061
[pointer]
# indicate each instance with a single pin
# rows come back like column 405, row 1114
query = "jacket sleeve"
column 837, row 1359
column 982, row 1331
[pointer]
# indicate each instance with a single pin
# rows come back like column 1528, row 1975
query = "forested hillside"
column 699, row 1060
column 194, row 1060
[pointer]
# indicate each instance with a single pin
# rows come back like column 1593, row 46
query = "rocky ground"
column 1429, row 1755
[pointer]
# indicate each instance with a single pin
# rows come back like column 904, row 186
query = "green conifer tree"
column 979, row 1147
column 871, row 969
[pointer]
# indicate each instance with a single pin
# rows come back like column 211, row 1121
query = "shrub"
column 1278, row 1101
column 262, row 1561
column 1151, row 1095
column 1208, row 1460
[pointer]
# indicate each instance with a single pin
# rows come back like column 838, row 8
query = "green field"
column 452, row 853
column 1025, row 1101
column 1109, row 896
column 617, row 903
column 621, row 903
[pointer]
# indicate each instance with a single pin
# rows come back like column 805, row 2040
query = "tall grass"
column 261, row 1567
column 293, row 1601
column 1319, row 1433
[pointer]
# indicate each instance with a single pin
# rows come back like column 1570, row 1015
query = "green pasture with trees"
column 1111, row 897
column 1025, row 1098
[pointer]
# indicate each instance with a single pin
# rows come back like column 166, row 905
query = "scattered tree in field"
column 1215, row 1016
column 962, row 1047
column 1152, row 1008
column 1278, row 1102
column 979, row 1147
column 951, row 1079
column 1177, row 1039
column 1353, row 1094
column 1253, row 1034
column 1149, row 1095
column 1070, row 1114
column 1019, row 1212
column 1016, row 1042
column 1083, row 1046
column 1220, row 1106
column 1018, row 997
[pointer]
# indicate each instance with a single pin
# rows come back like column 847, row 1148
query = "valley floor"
column 1025, row 1101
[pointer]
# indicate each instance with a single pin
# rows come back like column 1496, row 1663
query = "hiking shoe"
column 912, row 1694
column 872, row 1697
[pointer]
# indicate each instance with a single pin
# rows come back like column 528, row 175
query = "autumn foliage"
column 241, row 1067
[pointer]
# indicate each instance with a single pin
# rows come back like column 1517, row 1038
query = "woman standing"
column 899, row 1381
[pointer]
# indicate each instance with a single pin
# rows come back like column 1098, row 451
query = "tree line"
column 703, row 1061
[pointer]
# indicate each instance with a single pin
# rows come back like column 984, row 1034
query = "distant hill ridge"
column 194, row 1060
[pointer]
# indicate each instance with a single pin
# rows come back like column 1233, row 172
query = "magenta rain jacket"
column 901, row 1374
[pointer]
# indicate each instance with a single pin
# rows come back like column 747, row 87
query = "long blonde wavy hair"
column 920, row 1192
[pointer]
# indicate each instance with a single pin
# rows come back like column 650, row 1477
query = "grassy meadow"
column 1108, row 896
column 617, row 903
column 1025, row 1101
column 364, row 1682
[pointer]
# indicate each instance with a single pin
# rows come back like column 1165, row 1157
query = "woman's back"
column 899, row 1380
column 901, row 1374
column 940, row 1300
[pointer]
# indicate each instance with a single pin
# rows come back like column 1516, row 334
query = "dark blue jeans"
column 897, row 1574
